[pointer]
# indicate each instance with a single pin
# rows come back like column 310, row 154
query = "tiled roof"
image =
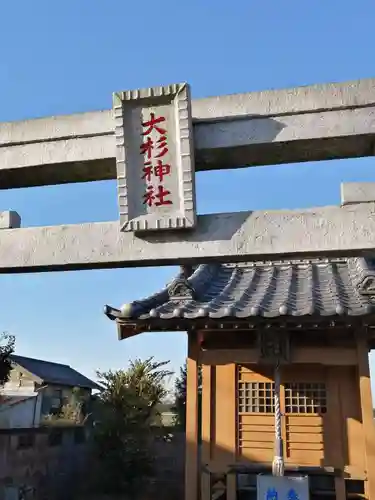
column 321, row 287
column 54, row 373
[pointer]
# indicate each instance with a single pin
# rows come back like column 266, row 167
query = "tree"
column 125, row 409
column 7, row 344
column 180, row 395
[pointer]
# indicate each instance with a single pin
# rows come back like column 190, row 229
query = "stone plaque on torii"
column 153, row 141
column 158, row 225
column 155, row 159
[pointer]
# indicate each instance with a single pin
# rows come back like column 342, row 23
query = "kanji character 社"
column 156, row 197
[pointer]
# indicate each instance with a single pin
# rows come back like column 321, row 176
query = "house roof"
column 54, row 373
column 288, row 288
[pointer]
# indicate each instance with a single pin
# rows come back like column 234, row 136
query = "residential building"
column 37, row 390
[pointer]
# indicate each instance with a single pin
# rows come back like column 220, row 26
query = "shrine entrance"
column 240, row 318
column 279, row 306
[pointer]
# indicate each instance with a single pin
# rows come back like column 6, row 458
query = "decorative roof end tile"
column 126, row 310
column 367, row 286
column 180, row 290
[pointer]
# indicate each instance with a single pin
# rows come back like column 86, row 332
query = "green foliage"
column 7, row 344
column 124, row 410
column 180, row 394
column 72, row 412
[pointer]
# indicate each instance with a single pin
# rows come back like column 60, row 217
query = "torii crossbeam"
column 273, row 127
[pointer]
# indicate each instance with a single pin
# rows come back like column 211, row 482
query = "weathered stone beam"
column 10, row 220
column 259, row 128
column 292, row 138
column 57, row 150
column 243, row 236
column 357, row 192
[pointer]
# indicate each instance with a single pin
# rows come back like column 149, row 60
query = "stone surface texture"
column 319, row 287
column 357, row 192
column 169, row 166
column 317, row 122
column 233, row 237
column 10, row 220
column 259, row 128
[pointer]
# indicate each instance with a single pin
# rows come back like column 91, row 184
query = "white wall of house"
column 15, row 388
column 24, row 413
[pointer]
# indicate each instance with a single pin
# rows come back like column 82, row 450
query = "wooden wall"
column 327, row 420
column 332, row 436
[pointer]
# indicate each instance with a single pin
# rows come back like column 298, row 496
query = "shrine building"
column 315, row 317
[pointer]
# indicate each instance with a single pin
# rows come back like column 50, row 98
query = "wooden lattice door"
column 255, row 415
column 304, row 408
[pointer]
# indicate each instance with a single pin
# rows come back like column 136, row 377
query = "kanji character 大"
column 161, row 170
column 147, row 147
column 152, row 124
column 163, row 146
column 147, row 171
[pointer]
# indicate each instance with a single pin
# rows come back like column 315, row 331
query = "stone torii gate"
column 153, row 141
column 272, row 127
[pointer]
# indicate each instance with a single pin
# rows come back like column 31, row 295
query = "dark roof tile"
column 54, row 373
column 324, row 287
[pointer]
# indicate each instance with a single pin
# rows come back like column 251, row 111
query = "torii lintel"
column 153, row 142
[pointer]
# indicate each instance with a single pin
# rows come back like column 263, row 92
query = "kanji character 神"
column 160, row 195
column 152, row 124
column 147, row 147
column 147, row 171
column 161, row 170
column 163, row 146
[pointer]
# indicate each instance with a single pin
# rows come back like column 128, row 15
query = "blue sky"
column 67, row 57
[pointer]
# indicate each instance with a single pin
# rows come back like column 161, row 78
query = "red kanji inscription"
column 147, row 147
column 152, row 124
column 161, row 170
column 147, row 171
column 157, row 198
column 163, row 146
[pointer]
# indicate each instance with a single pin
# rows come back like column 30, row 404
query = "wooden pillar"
column 340, row 488
column 208, row 406
column 191, row 453
column 333, row 431
column 226, row 424
column 367, row 413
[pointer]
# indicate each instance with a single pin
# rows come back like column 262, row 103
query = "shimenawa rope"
column 278, row 459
